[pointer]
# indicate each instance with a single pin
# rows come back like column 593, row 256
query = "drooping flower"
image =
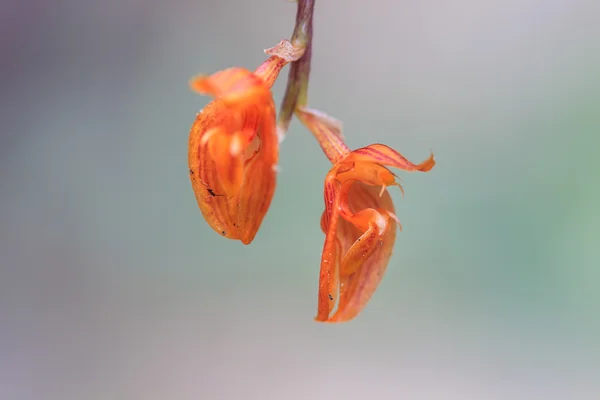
column 233, row 146
column 359, row 220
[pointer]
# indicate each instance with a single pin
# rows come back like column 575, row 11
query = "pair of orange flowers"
column 233, row 155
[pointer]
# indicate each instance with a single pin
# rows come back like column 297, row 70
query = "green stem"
column 296, row 92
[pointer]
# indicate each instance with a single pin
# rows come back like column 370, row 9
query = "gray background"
column 112, row 286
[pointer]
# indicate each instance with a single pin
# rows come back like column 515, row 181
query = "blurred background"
column 112, row 286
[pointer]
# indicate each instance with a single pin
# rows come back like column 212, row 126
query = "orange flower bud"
column 233, row 146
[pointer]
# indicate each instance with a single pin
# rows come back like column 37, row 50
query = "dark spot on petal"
column 191, row 172
column 330, row 296
column 223, row 233
column 212, row 192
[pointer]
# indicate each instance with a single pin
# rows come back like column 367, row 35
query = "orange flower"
column 359, row 220
column 233, row 145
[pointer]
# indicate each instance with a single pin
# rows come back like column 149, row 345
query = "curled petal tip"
column 399, row 187
column 427, row 165
column 200, row 84
column 395, row 218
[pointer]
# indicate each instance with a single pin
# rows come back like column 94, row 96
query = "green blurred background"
column 112, row 286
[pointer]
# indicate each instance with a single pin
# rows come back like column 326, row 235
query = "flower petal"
column 331, row 256
column 206, row 184
column 260, row 178
column 232, row 85
column 230, row 168
column 365, row 245
column 366, row 172
column 327, row 131
column 363, row 268
column 369, row 235
column 357, row 247
column 384, row 155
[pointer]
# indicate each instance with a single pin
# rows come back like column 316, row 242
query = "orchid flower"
column 359, row 220
column 233, row 146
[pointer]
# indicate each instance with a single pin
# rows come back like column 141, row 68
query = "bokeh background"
column 112, row 286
